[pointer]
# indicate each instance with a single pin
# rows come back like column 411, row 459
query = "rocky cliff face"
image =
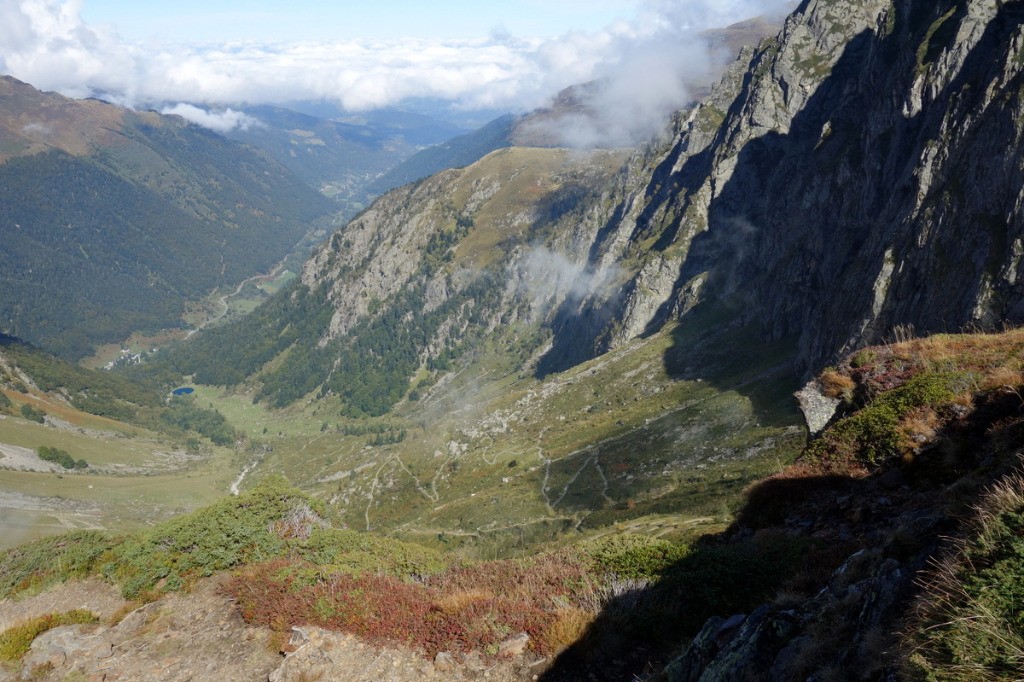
column 867, row 174
column 450, row 230
column 859, row 171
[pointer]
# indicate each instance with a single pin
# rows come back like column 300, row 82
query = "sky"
column 200, row 58
column 223, row 20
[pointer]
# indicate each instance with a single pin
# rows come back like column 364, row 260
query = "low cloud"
column 643, row 65
column 546, row 274
column 40, row 129
column 645, row 72
column 221, row 121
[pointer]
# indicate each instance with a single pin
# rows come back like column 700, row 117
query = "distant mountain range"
column 342, row 156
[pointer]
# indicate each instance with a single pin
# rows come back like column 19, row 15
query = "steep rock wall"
column 866, row 173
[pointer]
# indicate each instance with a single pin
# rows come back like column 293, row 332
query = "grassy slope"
column 141, row 212
column 135, row 476
column 949, row 445
column 500, row 460
column 662, row 434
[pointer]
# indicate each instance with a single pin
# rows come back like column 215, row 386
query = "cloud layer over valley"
column 644, row 62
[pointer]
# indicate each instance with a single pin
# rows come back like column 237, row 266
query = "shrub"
column 33, row 414
column 16, row 641
column 229, row 533
column 633, row 556
column 463, row 608
column 863, row 358
column 874, row 433
column 61, row 457
column 37, row 564
column 355, row 552
column 382, row 609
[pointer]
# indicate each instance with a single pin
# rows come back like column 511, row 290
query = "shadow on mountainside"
column 788, row 539
column 818, row 572
column 789, row 275
column 809, row 218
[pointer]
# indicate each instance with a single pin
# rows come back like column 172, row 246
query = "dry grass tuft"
column 920, row 426
column 460, row 600
column 298, row 523
column 837, row 385
column 1005, row 377
column 967, row 623
column 569, row 626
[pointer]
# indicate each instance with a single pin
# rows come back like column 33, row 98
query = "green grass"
column 97, row 448
column 16, row 641
column 33, row 504
column 617, row 439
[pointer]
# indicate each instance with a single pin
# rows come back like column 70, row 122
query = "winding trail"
column 246, row 470
column 223, row 300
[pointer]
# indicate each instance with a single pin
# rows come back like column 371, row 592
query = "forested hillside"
column 456, row 152
column 113, row 231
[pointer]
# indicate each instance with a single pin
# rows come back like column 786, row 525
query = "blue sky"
column 219, row 20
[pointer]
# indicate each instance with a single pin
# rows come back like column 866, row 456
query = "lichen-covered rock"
column 818, row 409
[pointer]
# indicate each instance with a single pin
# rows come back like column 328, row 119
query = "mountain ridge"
column 112, row 219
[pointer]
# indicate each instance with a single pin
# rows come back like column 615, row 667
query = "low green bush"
column 38, row 564
column 61, row 457
column 251, row 527
column 633, row 556
column 33, row 414
column 356, row 552
column 16, row 641
column 872, row 435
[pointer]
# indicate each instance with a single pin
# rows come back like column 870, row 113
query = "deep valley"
column 742, row 402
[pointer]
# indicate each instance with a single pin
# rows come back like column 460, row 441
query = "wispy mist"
column 547, row 274
column 646, row 72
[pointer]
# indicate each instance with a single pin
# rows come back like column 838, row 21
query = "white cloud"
column 37, row 128
column 220, row 121
column 642, row 70
column 546, row 273
column 46, row 43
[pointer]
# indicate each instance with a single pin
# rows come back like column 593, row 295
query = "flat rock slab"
column 92, row 595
